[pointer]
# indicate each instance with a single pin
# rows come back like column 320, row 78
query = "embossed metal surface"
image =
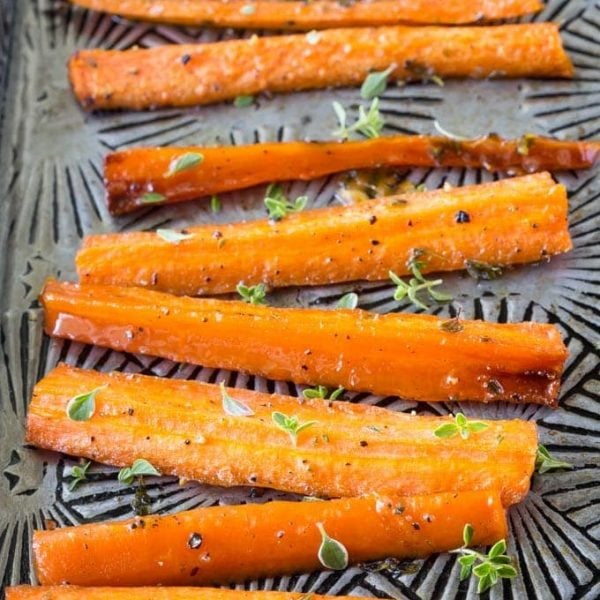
column 51, row 195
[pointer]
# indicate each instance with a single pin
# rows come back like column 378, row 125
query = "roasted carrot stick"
column 224, row 544
column 184, row 75
column 130, row 174
column 512, row 221
column 351, row 450
column 64, row 592
column 413, row 356
column 317, row 14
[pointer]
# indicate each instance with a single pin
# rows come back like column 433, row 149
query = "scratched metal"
column 51, row 195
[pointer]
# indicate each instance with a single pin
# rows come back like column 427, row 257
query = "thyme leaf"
column 482, row 270
column 172, row 236
column 375, row 83
column 79, row 474
column 545, row 462
column 215, row 204
column 186, row 161
column 83, row 406
column 252, row 294
column 349, row 300
column 278, row 205
column 332, row 553
column 322, row 392
column 139, row 468
column 461, row 426
column 291, row 425
column 232, row 407
column 369, row 123
column 152, row 198
column 243, row 101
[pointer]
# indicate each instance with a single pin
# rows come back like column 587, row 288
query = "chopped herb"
column 291, row 425
column 243, row 101
column 79, row 474
column 215, row 204
column 278, row 205
column 248, row 9
column 348, row 301
column 322, row 392
column 152, row 198
column 452, row 325
column 139, row 468
column 332, row 554
column 422, row 72
column 545, row 462
column 375, row 83
column 253, row 294
column 525, row 143
column 491, row 567
column 370, row 124
column 481, row 270
column 83, row 406
column 494, row 387
column 461, row 426
column 186, row 161
column 172, row 236
column 234, row 408
column 417, row 284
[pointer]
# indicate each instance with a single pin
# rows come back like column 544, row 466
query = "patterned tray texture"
column 51, row 195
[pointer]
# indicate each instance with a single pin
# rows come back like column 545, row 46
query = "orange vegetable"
column 317, row 14
column 351, row 450
column 129, row 174
column 62, row 592
column 225, row 544
column 512, row 221
column 184, row 75
column 413, row 356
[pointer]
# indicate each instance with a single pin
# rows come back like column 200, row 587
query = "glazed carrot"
column 62, row 592
column 184, row 75
column 413, row 356
column 512, row 221
column 129, row 174
column 317, row 14
column 225, row 544
column 351, row 450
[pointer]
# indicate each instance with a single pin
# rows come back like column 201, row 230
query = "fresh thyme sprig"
column 139, row 468
column 253, row 294
column 461, row 426
column 369, row 123
column 233, row 407
column 488, row 568
column 417, row 284
column 322, row 392
column 79, row 474
column 291, row 425
column 545, row 462
column 278, row 205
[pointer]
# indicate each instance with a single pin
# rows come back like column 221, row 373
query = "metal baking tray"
column 51, row 195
